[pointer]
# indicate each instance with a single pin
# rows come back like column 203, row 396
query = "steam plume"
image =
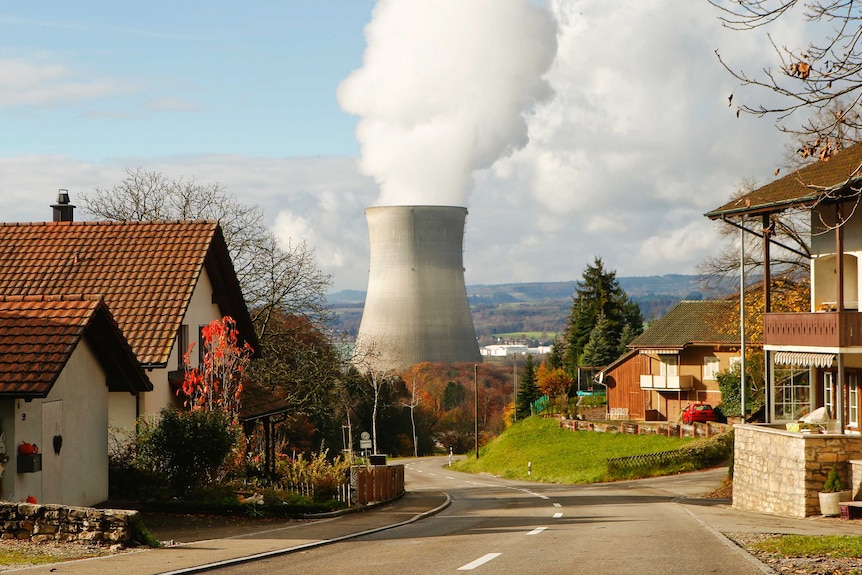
column 443, row 90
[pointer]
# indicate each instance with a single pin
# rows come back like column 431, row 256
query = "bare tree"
column 823, row 80
column 272, row 277
column 790, row 234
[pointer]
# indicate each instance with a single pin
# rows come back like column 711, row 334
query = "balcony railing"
column 666, row 382
column 820, row 329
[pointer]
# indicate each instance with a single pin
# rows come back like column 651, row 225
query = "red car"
column 701, row 412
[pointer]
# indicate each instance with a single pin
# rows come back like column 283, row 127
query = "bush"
column 325, row 475
column 188, row 448
column 833, row 482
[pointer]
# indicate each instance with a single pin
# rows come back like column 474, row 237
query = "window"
column 710, row 367
column 829, row 393
column 668, row 365
column 182, row 346
column 853, row 400
column 201, row 344
column 792, row 393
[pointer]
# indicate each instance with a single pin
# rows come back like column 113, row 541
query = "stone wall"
column 39, row 523
column 781, row 472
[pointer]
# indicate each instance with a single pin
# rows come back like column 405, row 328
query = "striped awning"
column 804, row 359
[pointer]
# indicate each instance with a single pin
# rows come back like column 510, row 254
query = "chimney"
column 63, row 210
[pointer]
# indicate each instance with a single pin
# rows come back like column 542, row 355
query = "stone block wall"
column 40, row 523
column 781, row 472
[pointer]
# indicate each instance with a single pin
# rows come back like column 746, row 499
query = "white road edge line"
column 537, row 530
column 480, row 561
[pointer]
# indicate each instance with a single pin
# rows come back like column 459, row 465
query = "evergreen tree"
column 600, row 350
column 598, row 293
column 557, row 357
column 528, row 391
column 626, row 337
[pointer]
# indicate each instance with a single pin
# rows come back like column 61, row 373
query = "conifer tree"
column 528, row 391
column 600, row 350
column 599, row 293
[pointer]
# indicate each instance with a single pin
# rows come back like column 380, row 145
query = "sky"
column 570, row 129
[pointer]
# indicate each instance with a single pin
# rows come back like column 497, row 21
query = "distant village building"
column 505, row 350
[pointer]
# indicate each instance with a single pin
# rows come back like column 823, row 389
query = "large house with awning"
column 813, row 359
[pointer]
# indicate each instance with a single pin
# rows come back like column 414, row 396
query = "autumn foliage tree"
column 217, row 383
column 555, row 383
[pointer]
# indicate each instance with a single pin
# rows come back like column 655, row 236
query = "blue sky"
column 254, row 78
column 569, row 128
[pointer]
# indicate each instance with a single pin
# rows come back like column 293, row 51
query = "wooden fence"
column 666, row 428
column 377, row 483
column 363, row 486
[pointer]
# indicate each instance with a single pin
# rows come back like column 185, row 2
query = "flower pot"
column 830, row 502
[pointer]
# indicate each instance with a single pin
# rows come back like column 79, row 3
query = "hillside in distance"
column 539, row 307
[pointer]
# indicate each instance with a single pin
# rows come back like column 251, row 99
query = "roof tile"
column 146, row 271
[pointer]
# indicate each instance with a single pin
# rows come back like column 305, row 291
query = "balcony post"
column 767, row 308
column 839, row 306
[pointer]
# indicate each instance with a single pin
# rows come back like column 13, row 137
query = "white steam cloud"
column 443, row 91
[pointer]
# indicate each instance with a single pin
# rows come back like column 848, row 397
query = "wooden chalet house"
column 161, row 280
column 813, row 359
column 674, row 362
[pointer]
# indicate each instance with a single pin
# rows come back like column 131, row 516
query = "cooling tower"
column 416, row 305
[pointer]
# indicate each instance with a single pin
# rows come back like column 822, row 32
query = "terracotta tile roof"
column 692, row 322
column 39, row 333
column 146, row 272
column 793, row 189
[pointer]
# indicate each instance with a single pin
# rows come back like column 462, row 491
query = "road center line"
column 480, row 561
column 537, row 530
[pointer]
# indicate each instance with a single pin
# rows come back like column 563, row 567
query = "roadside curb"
column 286, row 551
column 724, row 539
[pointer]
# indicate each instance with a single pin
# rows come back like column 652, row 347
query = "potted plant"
column 833, row 494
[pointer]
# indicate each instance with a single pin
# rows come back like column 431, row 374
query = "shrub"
column 318, row 470
column 188, row 448
column 833, row 481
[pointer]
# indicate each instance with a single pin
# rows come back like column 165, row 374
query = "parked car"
column 701, row 412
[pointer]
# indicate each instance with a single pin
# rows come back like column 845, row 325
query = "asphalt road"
column 500, row 526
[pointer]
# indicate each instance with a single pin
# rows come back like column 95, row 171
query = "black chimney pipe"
column 63, row 210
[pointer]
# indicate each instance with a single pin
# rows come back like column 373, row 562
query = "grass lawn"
column 559, row 455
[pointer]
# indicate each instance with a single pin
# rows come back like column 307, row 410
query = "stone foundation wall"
column 781, row 472
column 39, row 523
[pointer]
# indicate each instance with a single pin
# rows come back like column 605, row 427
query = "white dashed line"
column 480, row 561
column 537, row 530
column 558, row 505
column 557, row 515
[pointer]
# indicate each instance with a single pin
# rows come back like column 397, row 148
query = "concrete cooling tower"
column 416, row 306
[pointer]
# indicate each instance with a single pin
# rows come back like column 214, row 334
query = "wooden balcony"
column 666, row 382
column 820, row 329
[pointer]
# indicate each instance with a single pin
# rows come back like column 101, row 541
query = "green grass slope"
column 559, row 455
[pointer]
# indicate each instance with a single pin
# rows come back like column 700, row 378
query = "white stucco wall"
column 123, row 408
column 78, row 475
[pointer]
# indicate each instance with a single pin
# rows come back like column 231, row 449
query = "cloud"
column 36, row 83
column 635, row 146
column 442, row 92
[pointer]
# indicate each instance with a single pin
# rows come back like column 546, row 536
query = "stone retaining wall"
column 39, row 523
column 781, row 472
